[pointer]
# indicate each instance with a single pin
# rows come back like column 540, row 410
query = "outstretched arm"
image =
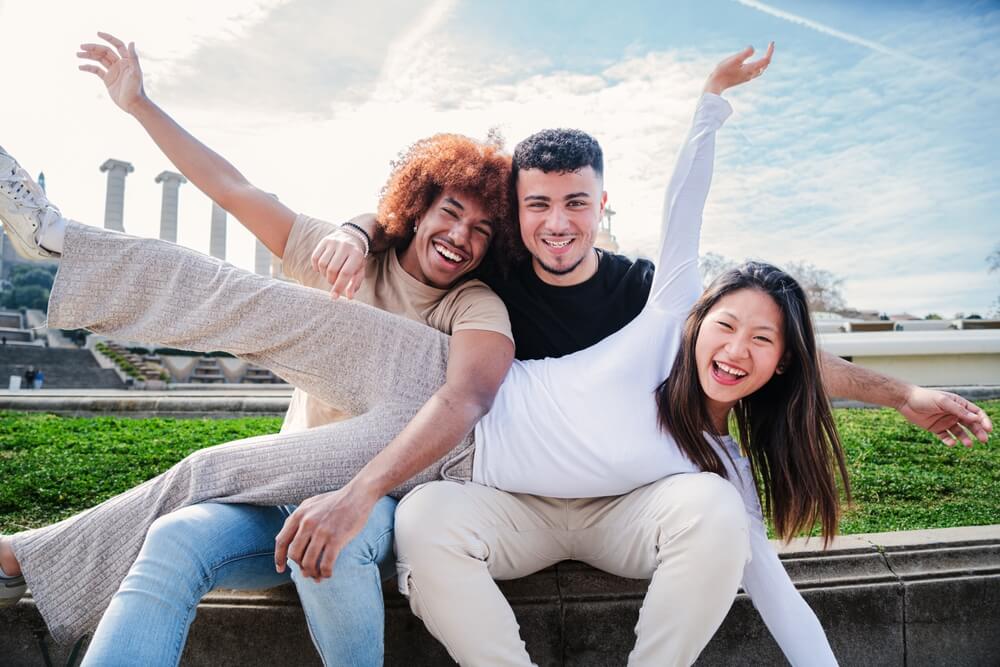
column 677, row 283
column 948, row 416
column 315, row 533
column 790, row 620
column 267, row 218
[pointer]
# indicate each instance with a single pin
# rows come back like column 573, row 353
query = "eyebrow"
column 572, row 195
column 454, row 202
column 766, row 327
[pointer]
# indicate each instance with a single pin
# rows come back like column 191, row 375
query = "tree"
column 993, row 262
column 933, row 316
column 822, row 287
column 26, row 296
column 711, row 265
column 38, row 277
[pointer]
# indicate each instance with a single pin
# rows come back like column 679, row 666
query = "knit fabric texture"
column 375, row 366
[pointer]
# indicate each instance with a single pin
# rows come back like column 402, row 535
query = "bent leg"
column 452, row 541
column 75, row 566
column 689, row 533
column 186, row 554
column 345, row 612
column 346, row 354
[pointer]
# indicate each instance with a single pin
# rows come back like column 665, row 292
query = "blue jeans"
column 199, row 548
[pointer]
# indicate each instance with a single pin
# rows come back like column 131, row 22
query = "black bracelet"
column 359, row 229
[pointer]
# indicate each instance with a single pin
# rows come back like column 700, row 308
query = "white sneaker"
column 12, row 589
column 24, row 209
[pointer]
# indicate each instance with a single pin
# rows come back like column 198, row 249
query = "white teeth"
column 729, row 369
column 447, row 254
column 559, row 244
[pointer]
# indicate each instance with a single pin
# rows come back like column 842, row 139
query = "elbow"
column 230, row 193
column 473, row 401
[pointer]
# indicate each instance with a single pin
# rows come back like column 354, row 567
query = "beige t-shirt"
column 387, row 286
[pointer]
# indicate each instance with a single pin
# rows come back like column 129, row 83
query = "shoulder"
column 473, row 305
column 618, row 272
column 613, row 263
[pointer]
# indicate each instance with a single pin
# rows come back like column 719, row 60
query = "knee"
column 428, row 518
column 374, row 543
column 176, row 531
column 172, row 544
column 712, row 513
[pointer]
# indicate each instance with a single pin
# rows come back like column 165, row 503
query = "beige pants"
column 688, row 533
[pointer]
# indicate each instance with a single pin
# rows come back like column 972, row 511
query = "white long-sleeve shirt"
column 586, row 424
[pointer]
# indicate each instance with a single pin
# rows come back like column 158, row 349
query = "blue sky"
column 869, row 148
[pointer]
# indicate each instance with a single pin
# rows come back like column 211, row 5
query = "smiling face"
column 739, row 347
column 559, row 214
column 451, row 239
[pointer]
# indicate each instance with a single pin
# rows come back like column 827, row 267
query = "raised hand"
column 118, row 68
column 735, row 70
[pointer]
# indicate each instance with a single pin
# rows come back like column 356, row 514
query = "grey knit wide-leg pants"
column 377, row 366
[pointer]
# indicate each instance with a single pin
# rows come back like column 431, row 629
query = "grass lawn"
column 51, row 467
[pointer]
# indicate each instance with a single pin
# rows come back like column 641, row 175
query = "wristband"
column 357, row 232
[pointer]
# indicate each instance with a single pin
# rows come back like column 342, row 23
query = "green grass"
column 903, row 479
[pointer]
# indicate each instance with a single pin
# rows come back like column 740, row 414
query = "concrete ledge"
column 222, row 402
column 910, row 598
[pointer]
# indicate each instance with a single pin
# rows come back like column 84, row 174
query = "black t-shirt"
column 550, row 321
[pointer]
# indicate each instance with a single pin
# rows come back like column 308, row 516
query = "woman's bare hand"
column 735, row 70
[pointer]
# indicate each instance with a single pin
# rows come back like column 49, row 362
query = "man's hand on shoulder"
column 948, row 416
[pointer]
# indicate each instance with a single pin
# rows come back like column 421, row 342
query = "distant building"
column 605, row 239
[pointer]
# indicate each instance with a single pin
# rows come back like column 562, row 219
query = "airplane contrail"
column 857, row 40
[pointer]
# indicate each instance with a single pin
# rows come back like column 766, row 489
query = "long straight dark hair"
column 785, row 428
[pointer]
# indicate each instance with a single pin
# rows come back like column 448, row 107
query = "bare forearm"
column 436, row 429
column 842, row 379
column 208, row 170
column 266, row 218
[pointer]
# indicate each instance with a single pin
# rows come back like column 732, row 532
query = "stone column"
column 114, row 201
column 172, row 182
column 217, row 239
column 261, row 259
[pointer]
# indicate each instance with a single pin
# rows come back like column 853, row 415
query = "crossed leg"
column 372, row 364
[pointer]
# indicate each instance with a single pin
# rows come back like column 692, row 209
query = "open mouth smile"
column 447, row 254
column 727, row 374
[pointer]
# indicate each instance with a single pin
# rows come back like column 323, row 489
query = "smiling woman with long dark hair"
column 785, row 426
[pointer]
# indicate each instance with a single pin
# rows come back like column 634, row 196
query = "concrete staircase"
column 207, row 371
column 258, row 375
column 63, row 368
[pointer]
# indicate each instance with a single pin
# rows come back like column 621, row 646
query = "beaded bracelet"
column 357, row 232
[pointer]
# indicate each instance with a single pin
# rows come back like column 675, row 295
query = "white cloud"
column 823, row 162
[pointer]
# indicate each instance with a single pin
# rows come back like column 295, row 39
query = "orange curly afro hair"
column 451, row 161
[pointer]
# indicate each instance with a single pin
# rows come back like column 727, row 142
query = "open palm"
column 118, row 68
column 736, row 69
